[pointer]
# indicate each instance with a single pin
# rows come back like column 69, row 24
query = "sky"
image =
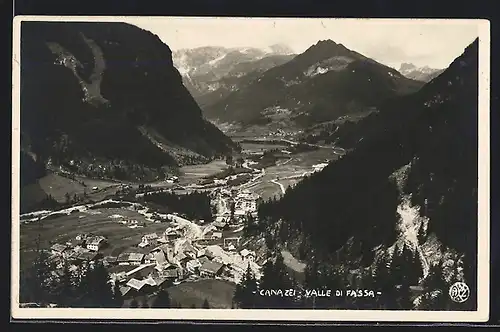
column 433, row 43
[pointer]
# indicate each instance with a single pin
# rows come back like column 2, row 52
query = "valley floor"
column 125, row 227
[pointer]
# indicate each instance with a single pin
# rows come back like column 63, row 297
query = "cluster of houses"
column 85, row 245
column 145, row 270
column 83, row 248
column 245, row 203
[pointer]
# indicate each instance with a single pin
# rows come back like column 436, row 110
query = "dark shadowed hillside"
column 104, row 99
column 410, row 179
column 240, row 76
column 326, row 81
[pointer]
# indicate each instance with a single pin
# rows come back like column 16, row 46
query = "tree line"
column 392, row 279
column 194, row 205
column 80, row 286
column 86, row 285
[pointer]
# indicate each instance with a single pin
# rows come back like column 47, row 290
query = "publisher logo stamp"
column 459, row 292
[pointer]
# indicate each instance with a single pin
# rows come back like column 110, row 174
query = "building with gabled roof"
column 193, row 265
column 87, row 256
column 95, row 243
column 130, row 258
column 170, row 273
column 211, row 269
column 135, row 284
column 58, row 249
column 245, row 253
column 124, row 290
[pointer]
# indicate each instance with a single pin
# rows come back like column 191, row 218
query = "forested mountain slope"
column 104, row 99
column 325, row 82
column 408, row 186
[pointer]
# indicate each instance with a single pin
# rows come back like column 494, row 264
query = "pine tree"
column 65, row 292
column 244, row 295
column 421, row 235
column 84, row 291
column 406, row 271
column 117, row 296
column 95, row 287
column 134, row 304
column 268, row 281
column 435, row 287
column 250, row 225
column 205, row 304
column 101, row 286
column 384, row 282
column 39, row 278
column 162, row 300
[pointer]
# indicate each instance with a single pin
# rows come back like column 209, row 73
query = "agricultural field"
column 265, row 189
column 57, row 186
column 98, row 221
column 295, row 167
column 257, row 147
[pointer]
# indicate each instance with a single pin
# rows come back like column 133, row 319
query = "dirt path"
column 282, row 187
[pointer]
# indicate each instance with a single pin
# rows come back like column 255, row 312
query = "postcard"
column 250, row 169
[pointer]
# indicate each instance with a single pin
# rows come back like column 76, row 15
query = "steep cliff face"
column 409, row 183
column 104, row 99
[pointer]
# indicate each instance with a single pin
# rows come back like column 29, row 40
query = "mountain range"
column 424, row 74
column 207, row 69
column 321, row 84
column 409, row 181
column 105, row 100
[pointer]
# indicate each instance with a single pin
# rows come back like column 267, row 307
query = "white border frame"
column 290, row 315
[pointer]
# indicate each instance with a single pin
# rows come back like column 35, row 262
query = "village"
column 186, row 251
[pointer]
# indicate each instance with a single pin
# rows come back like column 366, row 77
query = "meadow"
column 99, row 222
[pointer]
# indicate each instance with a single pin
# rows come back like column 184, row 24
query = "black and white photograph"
column 271, row 168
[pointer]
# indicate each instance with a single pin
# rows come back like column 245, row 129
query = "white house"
column 149, row 258
column 216, row 235
column 148, row 239
column 96, row 243
column 247, row 255
column 193, row 265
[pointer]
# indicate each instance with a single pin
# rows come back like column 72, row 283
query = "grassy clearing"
column 57, row 186
column 296, row 166
column 228, row 172
column 193, row 173
column 266, row 190
column 218, row 293
column 257, row 147
column 65, row 228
